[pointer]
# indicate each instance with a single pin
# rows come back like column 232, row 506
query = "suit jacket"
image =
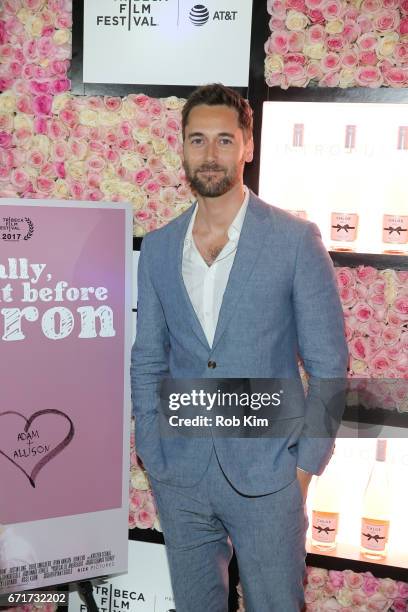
column 281, row 301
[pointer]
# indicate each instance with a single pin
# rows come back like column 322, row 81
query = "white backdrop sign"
column 145, row 588
column 167, row 42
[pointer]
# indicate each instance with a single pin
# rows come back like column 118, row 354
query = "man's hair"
column 219, row 95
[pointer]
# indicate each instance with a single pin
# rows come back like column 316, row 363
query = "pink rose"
column 5, row 140
column 143, row 215
column 60, row 85
column 296, row 42
column 366, row 274
column 386, row 21
column 362, row 312
column 347, row 296
column 378, row 603
column 395, row 77
column 399, row 605
column 345, row 277
column 401, row 306
column 368, row 58
column 316, row 16
column 316, row 34
column 314, row 4
column 403, row 589
column 314, row 71
column 112, row 103
column 152, row 187
column 358, row 348
column 349, row 59
column 370, row 6
column 352, row 579
column 364, row 23
column 19, row 179
column 36, row 159
column 367, row 42
column 403, row 27
column 330, row 62
column 42, row 104
column 63, row 20
column 297, row 5
column 380, row 363
column 361, row 291
column 93, row 195
column 368, row 77
column 173, row 125
column 45, row 184
column 294, row 72
column 141, row 176
column 94, row 179
column 336, row 42
column 332, row 9
column 112, row 156
column 277, row 8
column 40, row 125
column 336, row 578
column 77, row 190
column 24, row 105
column 391, row 335
column 279, row 42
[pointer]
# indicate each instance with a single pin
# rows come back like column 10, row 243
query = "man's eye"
column 225, row 141
column 196, row 141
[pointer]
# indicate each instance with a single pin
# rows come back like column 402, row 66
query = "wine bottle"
column 326, row 508
column 395, row 218
column 344, row 221
column 376, row 507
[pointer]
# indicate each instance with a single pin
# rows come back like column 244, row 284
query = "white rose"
column 296, row 21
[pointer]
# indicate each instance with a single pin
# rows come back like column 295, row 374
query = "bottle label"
column 395, row 229
column 374, row 534
column 324, row 526
column 344, row 226
column 302, row 214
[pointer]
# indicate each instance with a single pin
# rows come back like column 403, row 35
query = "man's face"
column 214, row 150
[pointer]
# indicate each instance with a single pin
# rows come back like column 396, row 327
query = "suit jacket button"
column 212, row 364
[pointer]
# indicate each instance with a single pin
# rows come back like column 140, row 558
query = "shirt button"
column 212, row 364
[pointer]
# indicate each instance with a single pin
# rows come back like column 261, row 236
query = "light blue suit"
column 281, row 300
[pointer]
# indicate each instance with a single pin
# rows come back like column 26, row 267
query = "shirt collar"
column 234, row 229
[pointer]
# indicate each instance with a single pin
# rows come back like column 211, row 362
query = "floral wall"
column 56, row 145
column 337, row 43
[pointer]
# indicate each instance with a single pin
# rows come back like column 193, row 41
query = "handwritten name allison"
column 31, row 450
column 57, row 322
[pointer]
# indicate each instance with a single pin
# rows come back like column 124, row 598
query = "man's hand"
column 304, row 479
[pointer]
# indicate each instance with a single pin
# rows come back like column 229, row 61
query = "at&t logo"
column 199, row 15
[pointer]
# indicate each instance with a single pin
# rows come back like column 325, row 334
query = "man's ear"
column 249, row 150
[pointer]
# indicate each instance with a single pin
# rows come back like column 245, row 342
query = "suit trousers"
column 201, row 525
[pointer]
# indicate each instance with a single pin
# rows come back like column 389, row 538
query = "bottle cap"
column 381, row 453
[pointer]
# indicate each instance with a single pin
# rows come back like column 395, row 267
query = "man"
column 233, row 288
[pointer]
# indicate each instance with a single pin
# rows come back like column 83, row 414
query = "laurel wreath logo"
column 30, row 228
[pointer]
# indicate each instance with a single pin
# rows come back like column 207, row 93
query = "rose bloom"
column 349, row 59
column 352, row 579
column 332, row 9
column 368, row 58
column 330, row 62
column 403, row 27
column 395, row 77
column 380, row 363
column 358, row 348
column 297, row 5
column 336, row 42
column 336, row 578
column 366, row 274
column 316, row 34
column 279, row 42
column 316, row 16
column 370, row 6
column 296, row 42
column 369, row 77
column 367, row 42
column 296, row 21
column 386, row 21
column 345, row 277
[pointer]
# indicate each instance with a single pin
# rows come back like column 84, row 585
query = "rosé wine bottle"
column 375, row 521
column 343, row 231
column 326, row 508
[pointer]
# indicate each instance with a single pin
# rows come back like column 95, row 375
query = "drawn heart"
column 52, row 453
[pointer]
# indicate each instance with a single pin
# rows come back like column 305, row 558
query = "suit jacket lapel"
column 254, row 230
column 177, row 257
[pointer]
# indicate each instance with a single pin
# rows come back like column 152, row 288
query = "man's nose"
column 211, row 151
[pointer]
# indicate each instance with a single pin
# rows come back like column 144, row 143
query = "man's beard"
column 212, row 187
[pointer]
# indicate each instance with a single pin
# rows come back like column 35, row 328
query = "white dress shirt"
column 206, row 284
